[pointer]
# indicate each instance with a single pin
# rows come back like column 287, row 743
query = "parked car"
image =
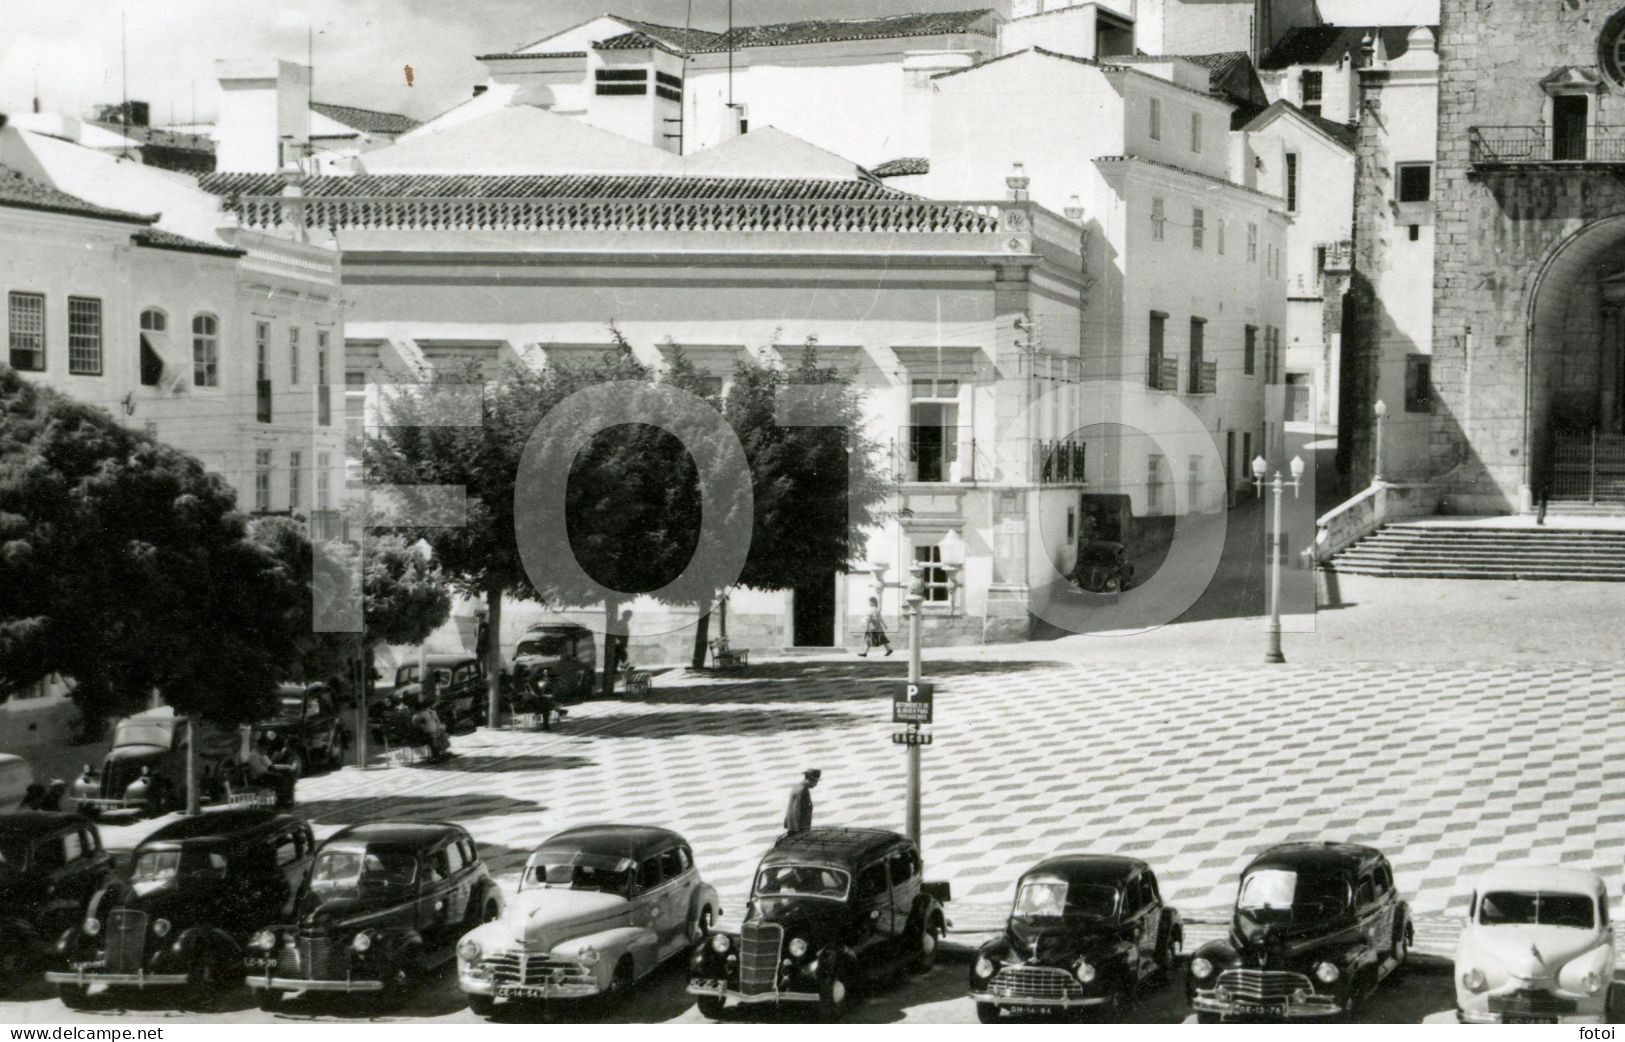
column 599, row 908
column 50, row 867
column 15, row 778
column 1103, row 567
column 180, row 912
column 831, row 909
column 145, row 770
column 460, row 689
column 1085, row 932
column 565, row 652
column 307, row 718
column 1537, row 949
column 384, row 905
column 1317, row 926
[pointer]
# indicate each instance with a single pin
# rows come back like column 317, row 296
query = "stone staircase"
column 1444, row 551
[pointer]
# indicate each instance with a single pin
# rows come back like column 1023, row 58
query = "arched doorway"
column 1574, row 396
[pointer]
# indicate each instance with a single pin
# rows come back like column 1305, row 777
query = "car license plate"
column 1029, row 1011
column 1245, row 1009
column 1526, row 1018
column 520, row 991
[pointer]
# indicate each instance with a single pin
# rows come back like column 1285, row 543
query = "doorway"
column 1569, row 126
column 813, row 612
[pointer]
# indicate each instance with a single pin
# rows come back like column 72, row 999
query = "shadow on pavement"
column 659, row 997
column 751, row 684
column 496, row 763
column 412, row 808
column 676, row 724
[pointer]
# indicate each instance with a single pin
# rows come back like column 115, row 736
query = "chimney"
column 264, row 115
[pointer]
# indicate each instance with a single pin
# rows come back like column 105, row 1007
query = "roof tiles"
column 370, row 121
column 28, row 194
column 559, row 186
column 1328, row 44
column 781, row 34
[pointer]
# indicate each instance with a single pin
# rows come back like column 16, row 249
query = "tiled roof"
column 675, row 36
column 517, row 55
column 159, row 239
column 370, row 121
column 1326, row 44
column 28, row 194
column 781, row 34
column 635, row 41
column 903, row 167
column 559, row 186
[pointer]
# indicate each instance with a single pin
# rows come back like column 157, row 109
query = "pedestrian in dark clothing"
column 33, row 796
column 541, row 687
column 874, row 631
column 799, row 814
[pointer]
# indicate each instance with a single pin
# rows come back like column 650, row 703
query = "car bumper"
column 263, row 983
column 717, row 989
column 85, row 978
column 1312, row 1008
column 1047, row 1003
column 530, row 992
column 1543, row 1007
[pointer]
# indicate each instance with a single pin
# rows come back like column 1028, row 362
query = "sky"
column 69, row 50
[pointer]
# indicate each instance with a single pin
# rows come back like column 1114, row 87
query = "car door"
column 651, row 896
column 1368, row 909
column 290, row 857
column 1150, row 923
column 460, row 883
column 903, row 870
column 1387, row 905
column 871, row 905
column 677, row 874
column 430, row 902
column 69, row 873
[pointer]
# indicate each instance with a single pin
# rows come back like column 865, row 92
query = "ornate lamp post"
column 1272, row 628
column 1381, row 412
column 951, row 558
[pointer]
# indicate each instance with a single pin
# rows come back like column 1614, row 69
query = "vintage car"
column 459, row 690
column 831, row 909
column 1316, row 927
column 1537, row 949
column 599, row 907
column 50, row 867
column 145, row 770
column 384, row 904
column 15, row 778
column 1085, row 932
column 179, row 914
column 307, row 718
column 564, row 653
column 1103, row 567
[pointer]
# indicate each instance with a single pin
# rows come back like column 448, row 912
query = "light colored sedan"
column 1538, row 948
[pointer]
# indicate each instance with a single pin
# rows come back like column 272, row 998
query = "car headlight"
column 161, row 927
column 1327, row 973
column 1085, row 972
column 984, row 967
column 263, row 941
column 588, row 955
column 361, row 941
column 93, row 926
column 1201, row 968
column 469, row 950
column 720, row 943
column 797, row 947
column 1474, row 980
column 1592, row 982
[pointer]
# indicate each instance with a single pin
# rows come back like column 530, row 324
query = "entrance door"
column 1569, row 126
column 814, row 613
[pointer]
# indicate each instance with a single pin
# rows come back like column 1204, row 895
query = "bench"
column 724, row 657
column 639, row 682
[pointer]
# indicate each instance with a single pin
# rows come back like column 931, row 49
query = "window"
column 1156, row 119
column 436, row 866
column 1198, row 338
column 1249, row 349
column 1159, row 327
column 262, row 351
column 872, row 881
column 900, row 865
column 73, row 846
column 1292, row 182
column 324, row 470
column 1310, row 87
column 324, row 394
column 937, row 590
column 1220, row 229
column 355, row 411
column 293, row 355
column 84, row 336
column 1320, row 264
column 1159, row 218
column 933, row 432
column 27, row 312
column 1418, row 383
column 671, row 863
column 1198, row 228
column 1153, row 484
column 323, row 340
column 296, row 477
column 262, row 480
column 1252, row 242
column 669, row 87
column 649, row 874
column 1415, row 182
column 622, row 81
column 287, row 850
column 686, row 858
column 454, row 858
column 1196, row 132
column 205, row 351
column 154, row 345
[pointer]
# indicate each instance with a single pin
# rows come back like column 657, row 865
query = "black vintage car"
column 1317, row 926
column 1085, row 932
column 145, row 770
column 50, row 867
column 180, row 912
column 831, row 909
column 307, row 719
column 460, row 689
column 385, row 903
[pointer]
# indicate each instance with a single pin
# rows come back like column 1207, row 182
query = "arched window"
column 205, row 351
column 154, row 346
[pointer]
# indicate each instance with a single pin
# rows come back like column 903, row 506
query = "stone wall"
column 1361, row 310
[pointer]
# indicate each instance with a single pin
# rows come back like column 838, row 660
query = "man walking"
column 798, row 816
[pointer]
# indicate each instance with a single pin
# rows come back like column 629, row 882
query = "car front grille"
column 322, row 958
column 759, row 945
column 1532, row 1002
column 517, row 968
column 1035, row 982
column 1262, row 985
column 126, row 940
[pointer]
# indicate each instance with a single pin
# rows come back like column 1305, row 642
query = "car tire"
column 204, row 983
column 700, row 926
column 13, row 963
column 482, row 1006
column 1208, row 1018
column 269, row 1000
column 1165, row 953
column 621, row 981
column 987, row 1012
column 1401, row 946
column 835, row 994
column 711, row 1007
column 926, row 945
column 74, row 996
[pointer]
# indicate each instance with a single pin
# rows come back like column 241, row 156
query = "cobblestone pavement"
column 1450, row 771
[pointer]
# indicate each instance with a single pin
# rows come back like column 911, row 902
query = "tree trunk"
column 363, row 689
column 612, row 646
column 493, row 657
column 194, row 804
column 702, row 632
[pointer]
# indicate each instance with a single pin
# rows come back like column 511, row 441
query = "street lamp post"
column 916, row 599
column 1381, row 412
column 1272, row 628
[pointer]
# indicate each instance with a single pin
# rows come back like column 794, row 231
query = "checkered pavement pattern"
column 1448, row 771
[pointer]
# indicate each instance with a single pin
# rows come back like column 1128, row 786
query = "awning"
column 935, row 360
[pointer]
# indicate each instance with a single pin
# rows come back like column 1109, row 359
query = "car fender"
column 487, row 889
column 19, row 932
column 704, row 894
column 925, row 906
column 643, row 945
column 196, row 938
column 1173, row 926
column 836, row 956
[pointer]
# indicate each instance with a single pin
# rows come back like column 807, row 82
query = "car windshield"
column 1308, row 898
column 1533, row 907
column 350, row 869
column 803, row 881
column 1054, row 898
column 152, row 866
column 565, row 869
column 541, row 646
column 142, row 732
column 293, row 706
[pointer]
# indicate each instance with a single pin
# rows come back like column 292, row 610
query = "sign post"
column 912, row 703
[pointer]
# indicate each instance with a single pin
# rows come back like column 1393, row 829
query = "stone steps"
column 1435, row 551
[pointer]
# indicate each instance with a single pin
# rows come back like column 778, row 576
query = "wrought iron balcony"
column 1164, row 375
column 1518, row 146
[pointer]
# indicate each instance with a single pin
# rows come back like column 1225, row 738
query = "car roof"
column 218, row 826
column 1083, row 869
column 832, row 845
column 448, row 660
column 1541, row 877
column 396, row 833
column 631, row 841
column 1324, row 856
column 551, row 627
column 23, row 824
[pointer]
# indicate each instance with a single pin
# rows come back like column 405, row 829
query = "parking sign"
column 911, row 703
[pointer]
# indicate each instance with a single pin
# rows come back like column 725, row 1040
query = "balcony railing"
column 1164, row 375
column 1061, row 462
column 1209, row 380
column 262, row 400
column 1503, row 146
column 935, row 454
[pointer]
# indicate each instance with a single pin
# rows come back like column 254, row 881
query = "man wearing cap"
column 798, row 816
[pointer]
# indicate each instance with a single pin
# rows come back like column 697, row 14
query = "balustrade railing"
column 1498, row 145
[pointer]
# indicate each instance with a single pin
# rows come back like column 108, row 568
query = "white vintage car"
column 1537, row 949
column 599, row 907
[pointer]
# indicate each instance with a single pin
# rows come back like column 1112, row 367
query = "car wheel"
column 205, row 983
column 701, row 925
column 987, row 1012
column 620, row 982
column 1117, row 1000
column 926, row 945
column 1165, row 954
column 13, row 963
column 1401, row 947
column 834, row 994
column 482, row 1006
column 74, row 996
column 1208, row 1018
column 711, row 1007
column 269, row 999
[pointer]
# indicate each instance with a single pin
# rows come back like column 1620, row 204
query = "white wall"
column 263, row 105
